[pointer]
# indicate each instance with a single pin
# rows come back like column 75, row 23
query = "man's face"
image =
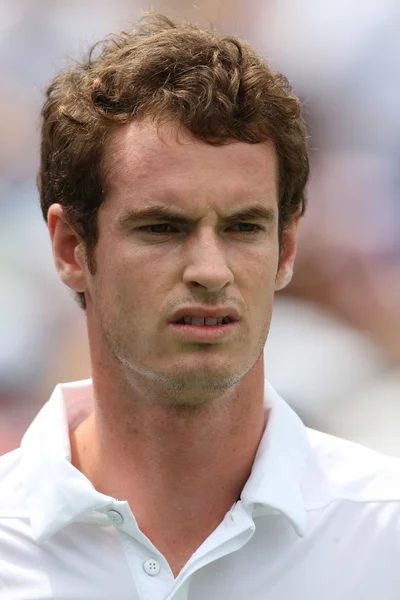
column 148, row 268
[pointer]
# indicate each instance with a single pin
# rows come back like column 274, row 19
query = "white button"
column 151, row 566
column 115, row 517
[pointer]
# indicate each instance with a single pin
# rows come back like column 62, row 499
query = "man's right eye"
column 159, row 227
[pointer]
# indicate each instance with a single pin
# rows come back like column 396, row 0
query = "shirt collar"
column 57, row 494
column 275, row 483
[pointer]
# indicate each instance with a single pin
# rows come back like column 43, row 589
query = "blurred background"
column 334, row 345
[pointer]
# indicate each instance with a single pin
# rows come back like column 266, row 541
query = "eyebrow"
column 165, row 213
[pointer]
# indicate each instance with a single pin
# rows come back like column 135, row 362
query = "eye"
column 256, row 230
column 159, row 227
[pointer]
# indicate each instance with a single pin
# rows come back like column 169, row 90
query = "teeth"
column 211, row 321
column 201, row 321
column 197, row 321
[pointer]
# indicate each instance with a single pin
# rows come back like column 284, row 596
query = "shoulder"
column 351, row 471
column 12, row 496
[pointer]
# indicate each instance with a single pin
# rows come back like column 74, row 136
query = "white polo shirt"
column 319, row 518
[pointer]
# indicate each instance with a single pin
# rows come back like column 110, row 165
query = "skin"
column 176, row 423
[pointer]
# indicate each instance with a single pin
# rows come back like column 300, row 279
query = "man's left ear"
column 287, row 256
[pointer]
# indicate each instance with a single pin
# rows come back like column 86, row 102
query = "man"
column 173, row 168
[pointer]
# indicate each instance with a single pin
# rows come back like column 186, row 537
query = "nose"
column 206, row 263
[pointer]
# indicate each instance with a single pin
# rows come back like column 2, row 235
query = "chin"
column 205, row 378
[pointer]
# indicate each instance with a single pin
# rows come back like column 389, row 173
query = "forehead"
column 145, row 160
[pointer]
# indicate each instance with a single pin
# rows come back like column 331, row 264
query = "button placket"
column 151, row 567
column 152, row 576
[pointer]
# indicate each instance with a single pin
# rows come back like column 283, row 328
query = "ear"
column 68, row 249
column 287, row 255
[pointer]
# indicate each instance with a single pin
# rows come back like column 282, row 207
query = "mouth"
column 204, row 330
column 203, row 322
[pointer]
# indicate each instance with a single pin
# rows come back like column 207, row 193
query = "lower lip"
column 204, row 333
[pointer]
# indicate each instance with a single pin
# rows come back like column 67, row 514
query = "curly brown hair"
column 216, row 86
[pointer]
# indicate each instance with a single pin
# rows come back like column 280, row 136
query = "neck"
column 180, row 469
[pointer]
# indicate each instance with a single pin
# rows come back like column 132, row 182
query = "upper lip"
column 206, row 312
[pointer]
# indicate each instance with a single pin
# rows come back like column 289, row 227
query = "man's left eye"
column 257, row 227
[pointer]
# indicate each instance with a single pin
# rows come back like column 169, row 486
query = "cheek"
column 135, row 287
column 258, row 290
column 262, row 270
